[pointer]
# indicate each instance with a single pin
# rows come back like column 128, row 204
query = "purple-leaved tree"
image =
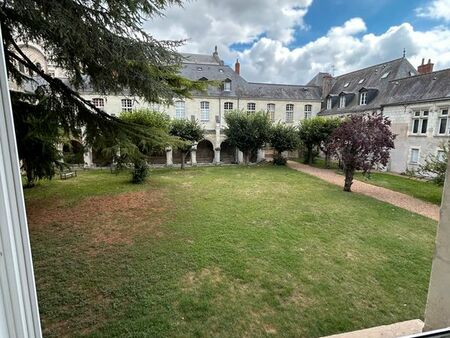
column 361, row 142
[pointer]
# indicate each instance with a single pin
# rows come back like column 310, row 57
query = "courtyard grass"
column 222, row 252
column 421, row 189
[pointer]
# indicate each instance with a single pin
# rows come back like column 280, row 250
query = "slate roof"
column 240, row 88
column 377, row 79
column 420, row 88
column 200, row 58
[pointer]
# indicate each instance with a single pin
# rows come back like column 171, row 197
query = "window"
column 414, row 158
column 227, row 86
column 289, row 113
column 251, row 107
column 329, row 103
column 420, row 122
column 443, row 122
column 363, row 98
column 180, row 109
column 127, row 105
column 346, row 84
column 98, row 102
column 271, row 111
column 228, row 106
column 342, row 101
column 204, row 111
column 385, row 75
column 308, row 109
column 361, row 81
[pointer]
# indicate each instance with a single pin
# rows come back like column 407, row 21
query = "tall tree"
column 361, row 142
column 314, row 134
column 188, row 133
column 283, row 138
column 247, row 131
column 101, row 45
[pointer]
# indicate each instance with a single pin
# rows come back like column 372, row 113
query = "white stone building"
column 416, row 101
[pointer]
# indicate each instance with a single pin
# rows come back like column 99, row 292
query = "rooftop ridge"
column 368, row 67
column 283, row 84
column 417, row 75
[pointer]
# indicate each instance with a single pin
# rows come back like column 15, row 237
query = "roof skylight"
column 346, row 84
column 199, row 69
column 385, row 75
column 361, row 81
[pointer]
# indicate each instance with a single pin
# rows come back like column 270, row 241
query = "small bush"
column 140, row 172
column 279, row 160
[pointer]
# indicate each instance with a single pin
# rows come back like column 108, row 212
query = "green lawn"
column 424, row 190
column 222, row 252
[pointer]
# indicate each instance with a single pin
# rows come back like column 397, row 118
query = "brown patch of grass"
column 106, row 220
column 193, row 280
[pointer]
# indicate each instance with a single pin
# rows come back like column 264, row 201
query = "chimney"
column 326, row 84
column 237, row 67
column 425, row 68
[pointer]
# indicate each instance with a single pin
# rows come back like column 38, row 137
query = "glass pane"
column 424, row 126
column 415, row 126
column 443, row 126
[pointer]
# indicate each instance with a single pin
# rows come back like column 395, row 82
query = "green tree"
column 188, row 133
column 436, row 165
column 314, row 134
column 247, row 131
column 101, row 45
column 283, row 138
column 139, row 149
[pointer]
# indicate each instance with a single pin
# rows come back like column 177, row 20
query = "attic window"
column 220, row 70
column 361, row 81
column 199, row 69
column 203, row 79
column 227, row 85
column 385, row 75
column 347, row 84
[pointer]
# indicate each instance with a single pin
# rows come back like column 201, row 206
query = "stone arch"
column 205, row 151
column 227, row 153
column 73, row 152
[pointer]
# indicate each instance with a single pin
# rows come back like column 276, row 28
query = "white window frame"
column 289, row 113
column 271, row 111
column 204, row 111
column 342, row 101
column 411, row 150
column 127, row 105
column 180, row 109
column 420, row 117
column 443, row 117
column 227, row 86
column 98, row 102
column 363, row 98
column 329, row 103
column 307, row 111
column 251, row 107
column 228, row 106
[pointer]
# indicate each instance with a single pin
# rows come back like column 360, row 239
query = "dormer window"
column 227, row 85
column 342, row 101
column 362, row 98
column 361, row 81
column 203, row 79
column 329, row 103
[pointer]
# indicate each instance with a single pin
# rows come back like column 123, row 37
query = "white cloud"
column 267, row 27
column 437, row 9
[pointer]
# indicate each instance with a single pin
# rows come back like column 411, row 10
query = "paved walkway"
column 396, row 198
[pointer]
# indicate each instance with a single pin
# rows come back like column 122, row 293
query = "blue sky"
column 289, row 41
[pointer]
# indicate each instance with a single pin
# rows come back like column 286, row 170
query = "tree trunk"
column 310, row 155
column 327, row 160
column 246, row 157
column 348, row 179
column 183, row 159
column 29, row 173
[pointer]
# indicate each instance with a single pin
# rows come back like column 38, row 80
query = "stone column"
column 194, row 154
column 216, row 155
column 60, row 147
column 437, row 312
column 87, row 158
column 240, row 157
column 261, row 156
column 169, row 157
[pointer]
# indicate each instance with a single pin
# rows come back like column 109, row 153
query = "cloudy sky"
column 289, row 41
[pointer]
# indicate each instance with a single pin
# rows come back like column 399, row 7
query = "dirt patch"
column 193, row 280
column 112, row 219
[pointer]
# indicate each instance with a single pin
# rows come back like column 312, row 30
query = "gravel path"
column 396, row 198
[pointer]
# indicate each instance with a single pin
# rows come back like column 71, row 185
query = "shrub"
column 140, row 172
column 436, row 166
column 279, row 160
